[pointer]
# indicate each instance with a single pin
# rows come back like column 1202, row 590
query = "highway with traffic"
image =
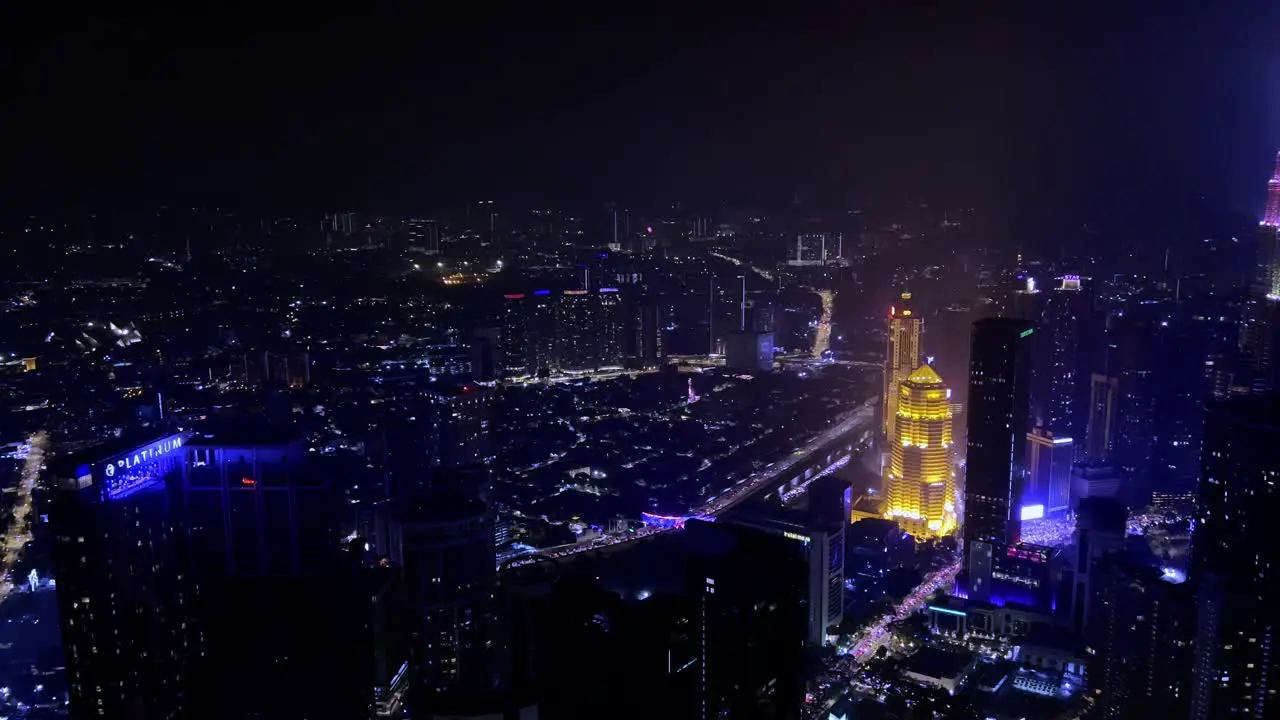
column 744, row 489
column 16, row 535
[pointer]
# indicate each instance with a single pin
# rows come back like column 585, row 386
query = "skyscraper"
column 182, row 564
column 1065, row 334
column 999, row 405
column 920, row 481
column 1258, row 327
column 903, row 354
column 444, row 546
column 576, row 343
column 610, row 327
column 1048, row 486
column 650, row 349
column 514, row 341
column 1141, row 627
column 1269, row 238
column 1100, row 427
column 528, row 333
column 1233, row 558
column 949, row 342
column 125, row 598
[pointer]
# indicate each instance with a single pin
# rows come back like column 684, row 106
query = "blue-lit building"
column 125, row 598
column 184, row 563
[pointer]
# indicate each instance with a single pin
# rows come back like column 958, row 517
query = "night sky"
column 1060, row 107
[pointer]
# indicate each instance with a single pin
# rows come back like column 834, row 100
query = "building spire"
column 1272, row 215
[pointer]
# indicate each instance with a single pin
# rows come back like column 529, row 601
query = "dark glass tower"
column 125, row 597
column 1233, row 560
column 443, row 544
column 999, row 406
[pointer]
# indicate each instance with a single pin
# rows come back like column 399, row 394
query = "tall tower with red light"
column 903, row 354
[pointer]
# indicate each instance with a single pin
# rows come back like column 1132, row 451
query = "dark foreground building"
column 707, row 623
column 1233, row 556
column 199, row 577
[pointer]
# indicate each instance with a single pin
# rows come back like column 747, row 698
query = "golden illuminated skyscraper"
column 902, row 355
column 920, row 479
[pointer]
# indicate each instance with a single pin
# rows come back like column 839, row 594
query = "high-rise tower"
column 1233, row 555
column 902, row 355
column 920, row 481
column 1269, row 237
column 998, row 413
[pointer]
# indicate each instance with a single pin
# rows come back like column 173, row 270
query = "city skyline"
column 872, row 361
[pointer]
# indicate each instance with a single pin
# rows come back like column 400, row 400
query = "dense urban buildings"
column 547, row 393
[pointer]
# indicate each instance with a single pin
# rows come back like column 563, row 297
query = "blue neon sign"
column 131, row 471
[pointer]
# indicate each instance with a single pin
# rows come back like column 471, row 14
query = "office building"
column 1100, row 425
column 1096, row 479
column 443, row 545
column 285, row 369
column 999, row 405
column 649, row 344
column 610, row 328
column 948, row 341
column 1141, row 629
column 1065, row 342
column 516, row 352
column 192, row 530
column 1100, row 530
column 820, row 532
column 815, row 249
column 527, row 341
column 419, row 437
column 1254, row 360
column 1133, row 345
column 576, row 338
column 749, row 351
column 1048, row 488
column 710, row 622
column 486, row 360
column 1232, row 560
column 1268, row 274
column 903, row 354
column 920, row 478
column 263, row 529
column 752, row 614
column 423, row 236
column 873, row 547
column 125, row 594
column 343, row 223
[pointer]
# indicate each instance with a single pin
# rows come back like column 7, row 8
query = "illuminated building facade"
column 902, row 355
column 1269, row 238
column 920, row 480
column 117, row 526
column 1048, row 489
